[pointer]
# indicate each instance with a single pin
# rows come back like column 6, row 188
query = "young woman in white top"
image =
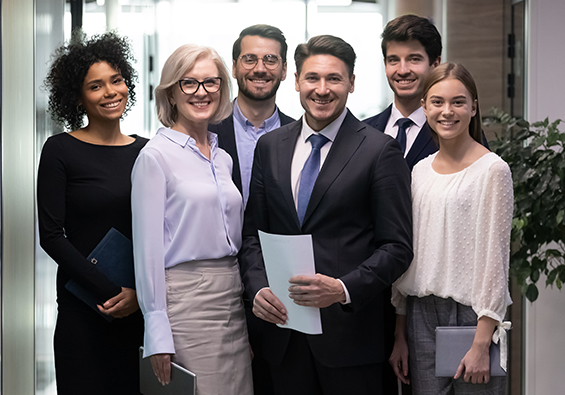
column 462, row 204
column 187, row 219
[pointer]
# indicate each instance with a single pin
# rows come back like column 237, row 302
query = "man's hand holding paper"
column 287, row 257
column 269, row 308
column 316, row 291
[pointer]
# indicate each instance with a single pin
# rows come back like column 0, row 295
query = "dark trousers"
column 262, row 383
column 301, row 374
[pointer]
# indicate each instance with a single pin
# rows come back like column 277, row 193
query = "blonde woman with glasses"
column 187, row 219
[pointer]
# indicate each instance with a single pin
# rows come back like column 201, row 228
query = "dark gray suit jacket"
column 360, row 219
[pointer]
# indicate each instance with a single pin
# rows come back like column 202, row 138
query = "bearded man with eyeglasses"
column 259, row 66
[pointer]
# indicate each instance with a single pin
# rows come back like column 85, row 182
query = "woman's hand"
column 399, row 357
column 475, row 365
column 161, row 364
column 121, row 305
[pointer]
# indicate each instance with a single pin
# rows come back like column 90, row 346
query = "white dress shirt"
column 185, row 207
column 418, row 118
column 302, row 152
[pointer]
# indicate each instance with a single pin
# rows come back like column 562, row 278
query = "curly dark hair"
column 70, row 64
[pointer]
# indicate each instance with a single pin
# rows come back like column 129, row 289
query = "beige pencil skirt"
column 207, row 319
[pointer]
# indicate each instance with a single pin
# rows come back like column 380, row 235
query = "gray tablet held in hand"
column 183, row 381
column 452, row 343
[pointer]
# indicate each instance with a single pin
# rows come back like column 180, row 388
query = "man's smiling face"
column 406, row 66
column 259, row 83
column 324, row 84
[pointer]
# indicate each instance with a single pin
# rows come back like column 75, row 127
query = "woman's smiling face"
column 104, row 93
column 449, row 108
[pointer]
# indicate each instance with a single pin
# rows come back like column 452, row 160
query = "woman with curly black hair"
column 83, row 190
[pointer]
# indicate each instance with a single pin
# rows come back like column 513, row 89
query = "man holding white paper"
column 347, row 185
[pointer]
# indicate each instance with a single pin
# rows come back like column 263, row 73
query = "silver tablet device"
column 452, row 343
column 183, row 381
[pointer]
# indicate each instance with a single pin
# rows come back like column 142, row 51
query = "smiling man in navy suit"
column 411, row 48
column 341, row 181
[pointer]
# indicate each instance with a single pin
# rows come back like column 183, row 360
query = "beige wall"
column 545, row 318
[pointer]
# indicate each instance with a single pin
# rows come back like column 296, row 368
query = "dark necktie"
column 403, row 124
column 309, row 174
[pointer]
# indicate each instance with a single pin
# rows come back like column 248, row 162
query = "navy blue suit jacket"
column 423, row 146
column 360, row 219
column 226, row 141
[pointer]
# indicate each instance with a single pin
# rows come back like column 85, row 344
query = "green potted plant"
column 534, row 152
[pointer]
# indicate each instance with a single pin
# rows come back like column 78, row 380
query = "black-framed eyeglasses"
column 249, row 61
column 190, row 86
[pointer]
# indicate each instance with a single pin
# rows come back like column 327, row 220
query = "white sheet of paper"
column 285, row 257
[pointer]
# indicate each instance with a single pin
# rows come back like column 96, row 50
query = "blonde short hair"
column 181, row 61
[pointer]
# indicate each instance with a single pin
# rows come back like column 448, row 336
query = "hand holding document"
column 286, row 257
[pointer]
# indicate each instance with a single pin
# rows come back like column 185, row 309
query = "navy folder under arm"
column 113, row 257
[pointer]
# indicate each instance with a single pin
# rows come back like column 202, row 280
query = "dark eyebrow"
column 460, row 97
column 100, row 80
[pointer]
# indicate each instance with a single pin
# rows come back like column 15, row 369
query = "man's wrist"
column 344, row 295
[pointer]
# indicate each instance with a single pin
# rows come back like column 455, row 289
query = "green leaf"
column 561, row 270
column 535, row 275
column 551, row 277
column 559, row 217
column 532, row 292
column 558, row 283
column 518, row 223
column 550, row 252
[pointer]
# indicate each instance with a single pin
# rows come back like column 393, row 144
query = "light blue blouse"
column 185, row 207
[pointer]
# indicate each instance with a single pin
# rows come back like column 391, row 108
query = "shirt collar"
column 329, row 131
column 184, row 139
column 418, row 116
column 268, row 124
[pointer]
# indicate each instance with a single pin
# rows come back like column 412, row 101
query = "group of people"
column 194, row 198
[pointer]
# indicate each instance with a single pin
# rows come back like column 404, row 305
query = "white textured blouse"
column 185, row 207
column 462, row 224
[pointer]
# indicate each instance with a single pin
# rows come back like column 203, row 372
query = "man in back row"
column 411, row 48
column 259, row 66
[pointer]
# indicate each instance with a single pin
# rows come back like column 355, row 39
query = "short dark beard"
column 250, row 95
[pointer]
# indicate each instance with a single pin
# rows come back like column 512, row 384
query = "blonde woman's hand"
column 161, row 364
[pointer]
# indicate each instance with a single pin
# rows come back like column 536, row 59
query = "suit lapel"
column 343, row 148
column 226, row 140
column 383, row 119
column 423, row 143
column 285, row 150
